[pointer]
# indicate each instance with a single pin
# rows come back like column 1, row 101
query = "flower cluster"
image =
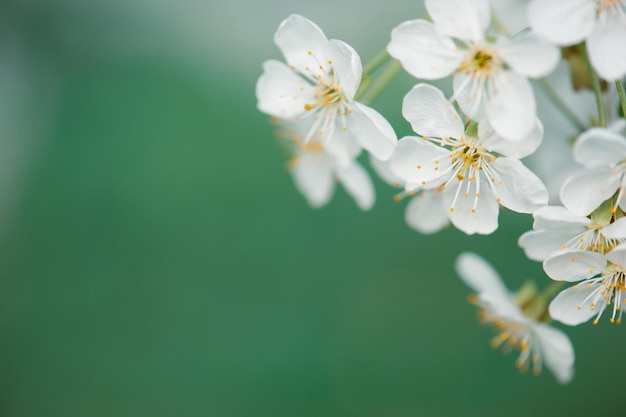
column 506, row 62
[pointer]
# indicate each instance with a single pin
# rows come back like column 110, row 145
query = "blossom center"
column 480, row 61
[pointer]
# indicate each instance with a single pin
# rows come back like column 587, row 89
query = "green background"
column 157, row 259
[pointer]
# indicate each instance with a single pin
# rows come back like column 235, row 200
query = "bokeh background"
column 156, row 259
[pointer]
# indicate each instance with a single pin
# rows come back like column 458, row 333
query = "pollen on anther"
column 419, row 167
column 293, row 67
column 330, row 62
column 579, row 308
column 473, row 210
column 310, row 52
column 397, row 198
column 425, row 137
column 451, row 208
column 423, row 182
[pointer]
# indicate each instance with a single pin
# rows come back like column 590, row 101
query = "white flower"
column 555, row 228
column 426, row 211
column 601, row 23
column 602, row 284
column 316, row 168
column 489, row 75
column 320, row 84
column 475, row 171
column 538, row 342
column 602, row 152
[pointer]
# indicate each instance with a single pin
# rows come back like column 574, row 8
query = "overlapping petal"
column 562, row 22
column 430, row 114
column 422, row 51
column 462, row 19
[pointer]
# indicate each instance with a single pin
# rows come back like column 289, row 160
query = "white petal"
column 358, row 184
column 599, row 147
column 372, row 131
column 529, row 56
column 343, row 147
column 564, row 307
column 426, row 213
column 313, row 177
column 469, row 93
column 462, row 19
column 412, row 152
column 616, row 230
column 517, row 187
column 574, row 265
column 422, row 51
column 558, row 218
column 296, row 37
column 346, row 65
column 510, row 13
column 609, row 37
column 483, row 219
column 540, row 244
column 480, row 276
column 383, row 170
column 557, row 352
column 618, row 255
column 279, row 93
column 513, row 149
column 562, row 22
column 585, row 190
column 430, row 114
column 510, row 105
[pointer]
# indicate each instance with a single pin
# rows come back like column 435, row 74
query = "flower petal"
column 608, row 37
column 313, row 178
column 517, row 187
column 426, row 212
column 565, row 306
column 585, row 190
column 618, row 255
column 343, row 147
column 279, row 93
column 469, row 213
column 513, row 149
column 538, row 245
column 346, row 65
column 528, row 55
column 358, row 184
column 469, row 93
column 559, row 218
column 616, row 230
column 557, row 352
column 412, row 152
column 462, row 19
column 372, row 131
column 574, row 265
column 422, row 51
column 430, row 114
column 510, row 105
column 599, row 147
column 480, row 276
column 296, row 37
column 562, row 22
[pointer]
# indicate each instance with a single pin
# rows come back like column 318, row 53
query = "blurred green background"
column 157, row 259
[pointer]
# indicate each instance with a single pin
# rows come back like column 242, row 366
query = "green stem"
column 622, row 96
column 379, row 85
column 551, row 290
column 375, row 63
column 559, row 104
column 595, row 82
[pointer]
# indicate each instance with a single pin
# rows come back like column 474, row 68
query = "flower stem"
column 559, row 104
column 551, row 290
column 622, row 96
column 379, row 84
column 375, row 63
column 595, row 82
